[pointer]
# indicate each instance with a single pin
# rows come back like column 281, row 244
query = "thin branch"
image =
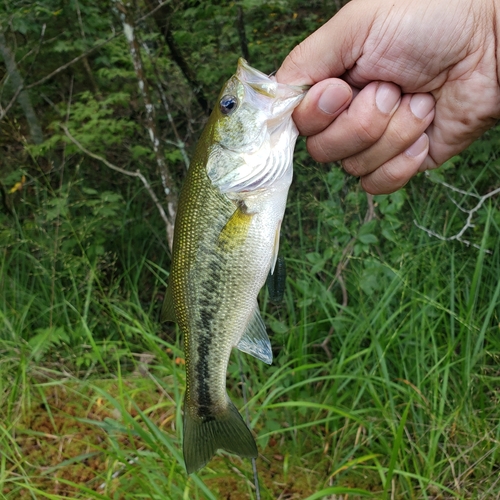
column 5, row 110
column 162, row 20
column 168, row 224
column 160, row 83
column 37, row 50
column 325, row 344
column 73, row 61
column 470, row 215
column 153, row 11
column 240, row 23
column 180, row 143
column 341, row 266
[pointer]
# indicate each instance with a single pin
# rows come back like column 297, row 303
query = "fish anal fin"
column 204, row 436
column 254, row 340
column 167, row 310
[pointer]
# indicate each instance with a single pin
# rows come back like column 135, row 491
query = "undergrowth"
column 385, row 379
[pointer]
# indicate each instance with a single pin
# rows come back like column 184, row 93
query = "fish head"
column 253, row 134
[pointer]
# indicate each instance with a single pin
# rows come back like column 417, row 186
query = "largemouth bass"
column 225, row 243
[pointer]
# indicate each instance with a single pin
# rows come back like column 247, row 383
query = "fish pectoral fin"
column 167, row 310
column 255, row 340
column 235, row 231
column 224, row 430
column 276, row 281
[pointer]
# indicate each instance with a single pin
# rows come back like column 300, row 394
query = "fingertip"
column 322, row 104
column 334, row 98
column 419, row 148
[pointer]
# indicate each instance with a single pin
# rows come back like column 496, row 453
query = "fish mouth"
column 284, row 97
column 265, row 84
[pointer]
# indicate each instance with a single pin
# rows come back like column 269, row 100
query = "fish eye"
column 228, row 104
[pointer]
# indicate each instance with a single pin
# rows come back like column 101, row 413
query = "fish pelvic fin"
column 167, row 310
column 204, row 436
column 254, row 340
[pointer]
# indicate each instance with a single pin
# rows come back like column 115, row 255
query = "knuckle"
column 354, row 166
column 367, row 131
column 395, row 176
column 402, row 137
column 295, row 58
column 320, row 150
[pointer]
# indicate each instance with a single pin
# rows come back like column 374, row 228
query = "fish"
column 226, row 241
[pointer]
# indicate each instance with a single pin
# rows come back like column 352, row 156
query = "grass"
column 392, row 394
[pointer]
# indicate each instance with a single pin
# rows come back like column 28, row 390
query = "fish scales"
column 225, row 242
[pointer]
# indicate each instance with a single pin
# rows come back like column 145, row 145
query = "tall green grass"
column 401, row 401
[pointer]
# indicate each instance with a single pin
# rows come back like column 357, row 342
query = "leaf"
column 45, row 338
column 367, row 239
column 278, row 327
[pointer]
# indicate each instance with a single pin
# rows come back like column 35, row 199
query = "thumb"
column 331, row 50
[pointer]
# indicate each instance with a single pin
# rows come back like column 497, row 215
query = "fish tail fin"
column 203, row 437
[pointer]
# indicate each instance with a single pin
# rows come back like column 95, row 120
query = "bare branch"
column 168, row 224
column 470, row 215
column 159, row 85
column 5, row 110
column 240, row 23
column 73, row 61
column 341, row 266
column 180, row 144
column 162, row 20
column 153, row 11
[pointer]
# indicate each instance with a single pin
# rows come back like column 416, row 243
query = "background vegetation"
column 386, row 375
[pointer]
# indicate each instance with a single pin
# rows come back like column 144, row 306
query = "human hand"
column 398, row 86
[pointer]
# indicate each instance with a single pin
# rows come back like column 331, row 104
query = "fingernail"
column 418, row 147
column 386, row 97
column 421, row 105
column 333, row 98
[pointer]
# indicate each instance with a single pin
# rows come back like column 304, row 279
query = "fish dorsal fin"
column 255, row 340
column 167, row 310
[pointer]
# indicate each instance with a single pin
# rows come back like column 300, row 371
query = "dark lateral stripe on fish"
column 209, row 306
column 204, row 400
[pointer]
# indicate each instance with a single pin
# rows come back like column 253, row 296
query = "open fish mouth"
column 284, row 98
